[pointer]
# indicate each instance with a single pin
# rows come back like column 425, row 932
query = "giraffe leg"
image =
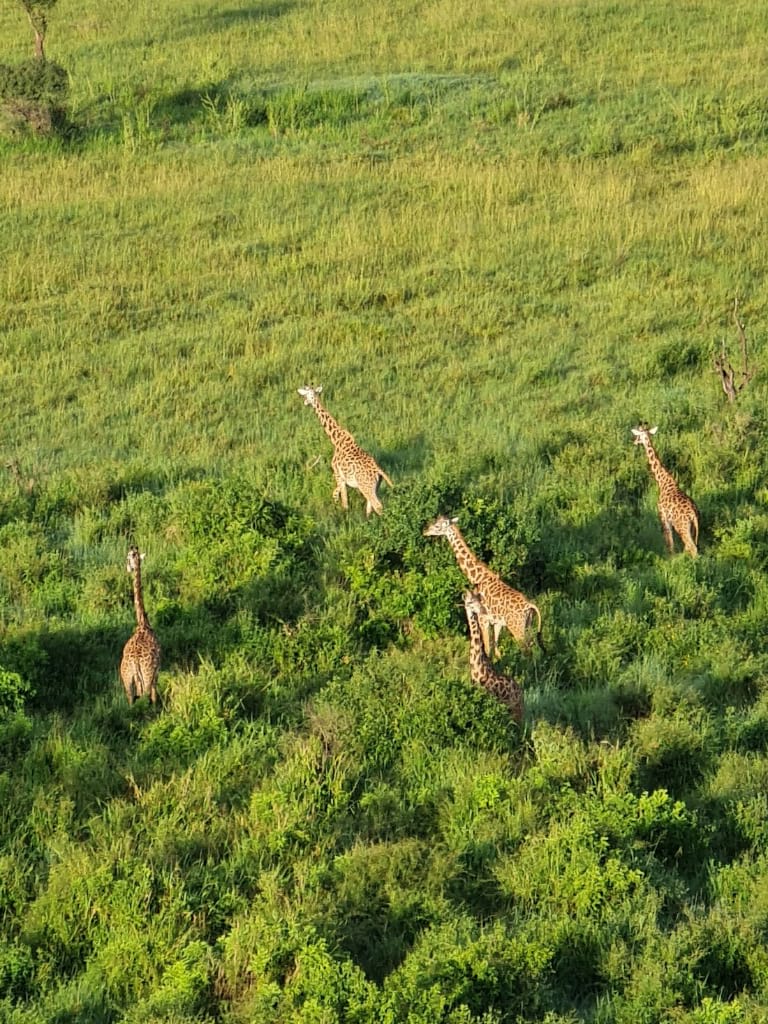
column 669, row 540
column 340, row 494
column 372, row 504
column 687, row 538
column 485, row 630
column 497, row 628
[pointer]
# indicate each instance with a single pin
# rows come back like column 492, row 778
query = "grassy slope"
column 499, row 237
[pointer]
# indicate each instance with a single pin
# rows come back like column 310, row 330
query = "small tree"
column 37, row 11
column 33, row 94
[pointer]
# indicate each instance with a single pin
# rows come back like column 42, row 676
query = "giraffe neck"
column 468, row 562
column 334, row 430
column 138, row 600
column 477, row 656
column 661, row 475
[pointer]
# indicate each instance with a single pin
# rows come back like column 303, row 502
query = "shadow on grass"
column 411, row 456
column 233, row 17
column 267, row 621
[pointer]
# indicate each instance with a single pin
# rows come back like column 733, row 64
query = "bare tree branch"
column 722, row 364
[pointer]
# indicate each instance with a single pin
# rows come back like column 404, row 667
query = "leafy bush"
column 33, row 96
column 16, row 969
column 39, row 81
column 458, row 969
column 13, row 692
column 234, row 539
column 182, row 990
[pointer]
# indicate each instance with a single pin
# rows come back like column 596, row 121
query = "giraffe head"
column 133, row 562
column 441, row 527
column 643, row 434
column 310, row 395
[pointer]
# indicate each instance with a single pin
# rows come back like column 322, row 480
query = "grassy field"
column 499, row 236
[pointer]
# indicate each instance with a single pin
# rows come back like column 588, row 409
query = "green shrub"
column 40, row 81
column 16, row 970
column 183, row 989
column 33, row 97
column 457, row 970
column 327, row 988
column 382, row 896
column 236, row 542
column 14, row 691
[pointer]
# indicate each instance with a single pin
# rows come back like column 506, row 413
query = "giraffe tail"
column 138, row 682
column 539, row 641
column 384, row 476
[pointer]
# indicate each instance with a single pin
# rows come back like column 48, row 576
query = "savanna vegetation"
column 500, row 236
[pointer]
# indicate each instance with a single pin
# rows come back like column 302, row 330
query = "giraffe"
column 504, row 606
column 352, row 467
column 482, row 672
column 141, row 655
column 676, row 510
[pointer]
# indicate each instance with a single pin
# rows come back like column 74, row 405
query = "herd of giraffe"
column 490, row 606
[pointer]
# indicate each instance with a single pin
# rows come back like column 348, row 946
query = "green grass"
column 500, row 236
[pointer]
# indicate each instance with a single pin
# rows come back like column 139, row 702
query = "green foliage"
column 183, row 990
column 14, row 691
column 303, row 109
column 233, row 539
column 33, row 97
column 37, row 81
column 325, row 820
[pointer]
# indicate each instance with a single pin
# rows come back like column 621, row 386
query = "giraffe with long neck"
column 504, row 606
column 140, row 663
column 676, row 510
column 503, row 688
column 351, row 465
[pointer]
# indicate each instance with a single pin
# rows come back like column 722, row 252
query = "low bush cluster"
column 33, row 97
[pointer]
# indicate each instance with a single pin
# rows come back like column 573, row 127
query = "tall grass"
column 499, row 237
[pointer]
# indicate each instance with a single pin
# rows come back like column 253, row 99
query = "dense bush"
column 33, row 95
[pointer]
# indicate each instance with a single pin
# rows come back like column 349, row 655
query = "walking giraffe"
column 482, row 672
column 676, row 510
column 504, row 605
column 352, row 467
column 141, row 655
